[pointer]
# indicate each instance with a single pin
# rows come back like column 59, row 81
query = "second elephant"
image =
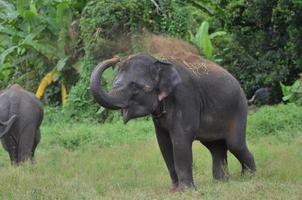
column 21, row 115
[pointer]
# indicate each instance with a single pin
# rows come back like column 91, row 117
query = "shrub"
column 282, row 121
column 265, row 46
column 292, row 93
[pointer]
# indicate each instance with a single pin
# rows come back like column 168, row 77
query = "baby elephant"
column 21, row 114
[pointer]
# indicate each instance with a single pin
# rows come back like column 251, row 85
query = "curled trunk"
column 97, row 89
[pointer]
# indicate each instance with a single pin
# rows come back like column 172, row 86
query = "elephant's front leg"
column 166, row 148
column 182, row 149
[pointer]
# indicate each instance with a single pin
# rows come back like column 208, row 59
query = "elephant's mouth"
column 125, row 113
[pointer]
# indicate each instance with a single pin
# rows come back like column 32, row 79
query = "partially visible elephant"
column 189, row 99
column 21, row 115
column 261, row 96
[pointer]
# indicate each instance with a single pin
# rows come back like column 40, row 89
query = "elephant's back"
column 218, row 89
column 24, row 95
column 24, row 104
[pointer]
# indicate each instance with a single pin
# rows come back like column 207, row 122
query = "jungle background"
column 86, row 152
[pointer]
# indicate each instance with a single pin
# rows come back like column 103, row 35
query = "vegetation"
column 265, row 44
column 59, row 42
column 260, row 41
column 84, row 160
column 38, row 37
column 292, row 93
column 202, row 39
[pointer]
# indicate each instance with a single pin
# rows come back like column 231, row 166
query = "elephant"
column 189, row 99
column 261, row 96
column 21, row 115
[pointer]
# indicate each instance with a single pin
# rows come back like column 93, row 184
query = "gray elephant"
column 189, row 99
column 21, row 115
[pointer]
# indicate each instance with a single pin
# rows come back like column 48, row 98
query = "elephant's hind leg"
column 245, row 157
column 218, row 151
column 26, row 143
column 237, row 145
column 10, row 146
column 36, row 142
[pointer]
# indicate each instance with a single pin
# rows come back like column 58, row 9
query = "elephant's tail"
column 5, row 126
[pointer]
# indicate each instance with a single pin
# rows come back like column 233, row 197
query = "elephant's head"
column 141, row 83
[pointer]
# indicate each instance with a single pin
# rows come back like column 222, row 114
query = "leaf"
column 7, row 11
column 217, row 33
column 203, row 41
column 296, row 85
column 22, row 7
column 284, row 89
column 45, row 48
column 33, row 8
column 64, row 14
column 56, row 74
column 35, row 33
column 61, row 63
column 11, row 31
column 78, row 66
column 4, row 72
column 287, row 98
column 6, row 53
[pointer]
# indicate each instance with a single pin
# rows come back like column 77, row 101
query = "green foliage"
column 284, row 122
column 38, row 38
column 293, row 93
column 202, row 39
column 115, row 161
column 7, row 11
column 265, row 46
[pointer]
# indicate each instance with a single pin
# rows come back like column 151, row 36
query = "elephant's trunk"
column 7, row 125
column 97, row 89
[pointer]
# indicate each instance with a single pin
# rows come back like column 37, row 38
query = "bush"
column 37, row 37
column 282, row 121
column 265, row 47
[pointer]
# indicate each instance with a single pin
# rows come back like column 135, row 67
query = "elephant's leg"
column 166, row 149
column 237, row 145
column 10, row 146
column 244, row 156
column 218, row 151
column 36, row 142
column 26, row 142
column 182, row 148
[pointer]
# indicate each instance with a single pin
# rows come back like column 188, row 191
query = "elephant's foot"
column 173, row 189
column 248, row 172
column 181, row 188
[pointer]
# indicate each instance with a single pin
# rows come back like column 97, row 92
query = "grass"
column 85, row 160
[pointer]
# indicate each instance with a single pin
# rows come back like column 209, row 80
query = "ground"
column 86, row 160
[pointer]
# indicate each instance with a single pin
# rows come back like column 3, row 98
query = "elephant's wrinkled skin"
column 188, row 102
column 21, row 114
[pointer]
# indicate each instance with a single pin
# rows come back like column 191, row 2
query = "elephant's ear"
column 168, row 77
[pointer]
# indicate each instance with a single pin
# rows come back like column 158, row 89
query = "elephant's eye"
column 135, row 88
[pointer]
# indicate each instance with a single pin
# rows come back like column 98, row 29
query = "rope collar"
column 160, row 111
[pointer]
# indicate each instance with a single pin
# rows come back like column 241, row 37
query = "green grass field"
column 83, row 160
